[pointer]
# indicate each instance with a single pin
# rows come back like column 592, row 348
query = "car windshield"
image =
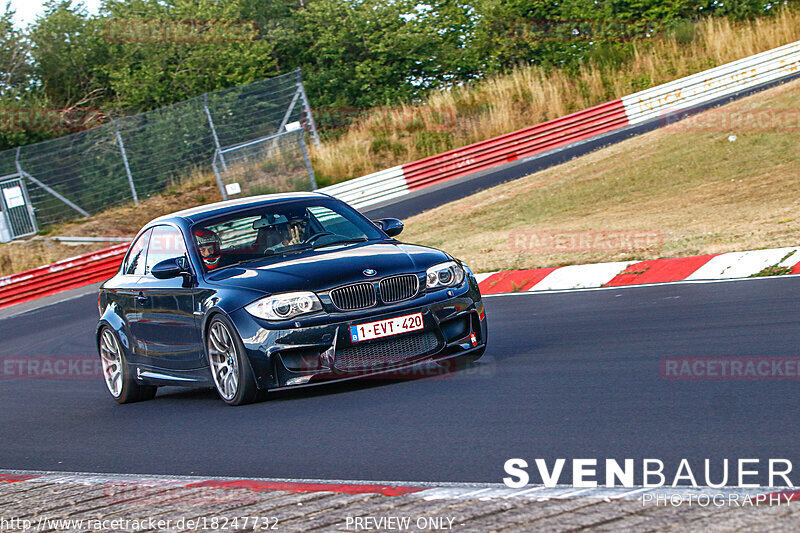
column 279, row 229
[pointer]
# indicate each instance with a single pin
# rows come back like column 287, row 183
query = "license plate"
column 386, row 328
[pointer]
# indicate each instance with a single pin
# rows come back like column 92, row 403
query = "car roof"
column 196, row 214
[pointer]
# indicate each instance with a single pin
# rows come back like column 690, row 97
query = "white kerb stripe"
column 483, row 275
column 581, row 276
column 744, row 264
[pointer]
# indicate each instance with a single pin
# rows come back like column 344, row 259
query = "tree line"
column 138, row 55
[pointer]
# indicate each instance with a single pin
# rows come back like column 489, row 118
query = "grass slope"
column 703, row 193
column 390, row 136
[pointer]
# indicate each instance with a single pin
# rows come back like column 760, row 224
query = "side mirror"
column 170, row 268
column 390, row 226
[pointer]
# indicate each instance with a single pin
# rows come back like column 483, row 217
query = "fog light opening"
column 326, row 358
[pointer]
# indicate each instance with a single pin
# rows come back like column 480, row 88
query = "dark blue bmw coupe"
column 280, row 291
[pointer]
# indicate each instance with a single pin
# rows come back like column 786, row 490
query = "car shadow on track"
column 426, row 371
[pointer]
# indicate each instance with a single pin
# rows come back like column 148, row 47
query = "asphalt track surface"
column 570, row 375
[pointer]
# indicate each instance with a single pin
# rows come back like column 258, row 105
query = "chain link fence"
column 276, row 163
column 137, row 156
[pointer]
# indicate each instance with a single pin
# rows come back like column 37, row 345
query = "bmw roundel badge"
column 369, row 272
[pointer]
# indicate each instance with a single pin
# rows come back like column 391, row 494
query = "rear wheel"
column 117, row 373
column 233, row 378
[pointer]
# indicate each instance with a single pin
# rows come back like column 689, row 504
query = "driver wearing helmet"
column 209, row 244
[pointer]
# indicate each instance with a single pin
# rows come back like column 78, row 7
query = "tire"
column 461, row 362
column 117, row 374
column 230, row 370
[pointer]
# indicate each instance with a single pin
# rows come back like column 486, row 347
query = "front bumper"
column 319, row 349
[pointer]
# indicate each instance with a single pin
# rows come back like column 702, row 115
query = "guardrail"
column 63, row 275
column 654, row 103
column 651, row 104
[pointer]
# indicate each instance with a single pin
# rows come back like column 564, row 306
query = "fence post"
column 289, row 110
column 222, row 189
column 45, row 187
column 127, row 167
column 308, row 162
column 307, row 107
column 214, row 133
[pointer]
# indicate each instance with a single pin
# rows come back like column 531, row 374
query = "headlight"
column 448, row 274
column 284, row 306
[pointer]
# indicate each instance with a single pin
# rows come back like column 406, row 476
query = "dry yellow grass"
column 701, row 192
column 449, row 119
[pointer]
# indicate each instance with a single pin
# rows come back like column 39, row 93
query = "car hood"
column 323, row 269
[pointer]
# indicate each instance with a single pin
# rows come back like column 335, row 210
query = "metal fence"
column 134, row 157
column 275, row 163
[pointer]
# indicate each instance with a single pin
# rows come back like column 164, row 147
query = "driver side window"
column 166, row 242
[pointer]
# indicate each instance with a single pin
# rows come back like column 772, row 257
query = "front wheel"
column 226, row 357
column 117, row 373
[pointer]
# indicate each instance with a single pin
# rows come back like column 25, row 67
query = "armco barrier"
column 370, row 189
column 63, row 275
column 651, row 104
column 712, row 84
column 512, row 146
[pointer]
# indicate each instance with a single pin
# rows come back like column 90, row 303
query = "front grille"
column 356, row 296
column 399, row 288
column 386, row 353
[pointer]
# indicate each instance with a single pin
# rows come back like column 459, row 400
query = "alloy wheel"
column 111, row 358
column 224, row 360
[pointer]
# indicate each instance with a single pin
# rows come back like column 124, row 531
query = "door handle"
column 141, row 299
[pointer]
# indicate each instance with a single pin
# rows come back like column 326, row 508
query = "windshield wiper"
column 243, row 261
